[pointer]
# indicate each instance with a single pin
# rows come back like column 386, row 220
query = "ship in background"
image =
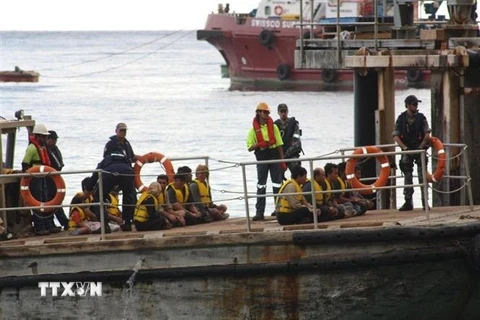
column 259, row 47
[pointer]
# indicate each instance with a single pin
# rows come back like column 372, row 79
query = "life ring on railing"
column 149, row 158
column 437, row 145
column 329, row 75
column 266, row 37
column 283, row 71
column 384, row 171
column 414, row 75
column 278, row 10
column 27, row 194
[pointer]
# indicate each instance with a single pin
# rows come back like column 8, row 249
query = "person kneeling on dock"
column 148, row 212
column 82, row 220
column 293, row 209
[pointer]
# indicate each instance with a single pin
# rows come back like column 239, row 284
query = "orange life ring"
column 384, row 171
column 28, row 197
column 149, row 158
column 278, row 10
column 437, row 145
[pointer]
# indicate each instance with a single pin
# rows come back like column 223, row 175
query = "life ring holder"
column 437, row 145
column 149, row 158
column 384, row 170
column 27, row 194
column 283, row 71
column 278, row 10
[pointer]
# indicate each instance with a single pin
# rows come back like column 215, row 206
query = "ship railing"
column 344, row 157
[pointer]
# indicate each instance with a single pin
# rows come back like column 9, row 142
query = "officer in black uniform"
column 118, row 157
column 411, row 133
column 290, row 131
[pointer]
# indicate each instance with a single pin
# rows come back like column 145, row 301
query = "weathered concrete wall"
column 427, row 291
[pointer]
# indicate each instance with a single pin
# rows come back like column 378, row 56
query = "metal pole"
column 425, row 185
column 375, row 27
column 245, row 194
column 311, row 18
column 102, row 207
column 339, row 56
column 467, row 173
column 302, row 52
column 314, row 201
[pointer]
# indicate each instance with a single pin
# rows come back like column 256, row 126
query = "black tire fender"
column 414, row 75
column 329, row 75
column 266, row 37
column 283, row 71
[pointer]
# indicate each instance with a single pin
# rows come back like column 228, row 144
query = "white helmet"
column 40, row 129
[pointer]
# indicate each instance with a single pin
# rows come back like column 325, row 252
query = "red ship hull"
column 253, row 65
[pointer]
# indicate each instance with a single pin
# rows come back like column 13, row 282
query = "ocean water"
column 167, row 87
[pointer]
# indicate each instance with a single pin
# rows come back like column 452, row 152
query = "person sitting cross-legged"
column 148, row 213
column 294, row 209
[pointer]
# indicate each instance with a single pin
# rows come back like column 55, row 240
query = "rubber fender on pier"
column 306, row 35
column 329, row 75
column 283, row 71
column 414, row 75
column 475, row 254
column 266, row 37
column 27, row 194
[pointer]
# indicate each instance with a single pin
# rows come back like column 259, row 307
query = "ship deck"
column 372, row 219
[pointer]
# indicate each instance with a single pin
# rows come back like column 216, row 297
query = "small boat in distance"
column 19, row 75
column 259, row 47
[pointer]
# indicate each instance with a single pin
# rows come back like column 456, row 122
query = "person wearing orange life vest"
column 265, row 140
column 37, row 154
column 411, row 133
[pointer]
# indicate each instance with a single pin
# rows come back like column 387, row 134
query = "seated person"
column 322, row 200
column 358, row 204
column 202, row 196
column 294, row 209
column 180, row 200
column 81, row 221
column 148, row 213
column 345, row 209
column 367, row 202
column 114, row 212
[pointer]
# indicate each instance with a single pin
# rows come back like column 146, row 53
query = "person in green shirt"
column 265, row 140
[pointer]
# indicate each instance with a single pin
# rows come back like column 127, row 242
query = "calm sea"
column 167, row 87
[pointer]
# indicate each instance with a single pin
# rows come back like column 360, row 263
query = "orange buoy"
column 384, row 171
column 437, row 145
column 149, row 158
column 27, row 194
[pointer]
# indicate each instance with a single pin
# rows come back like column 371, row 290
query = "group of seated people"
column 162, row 206
column 297, row 208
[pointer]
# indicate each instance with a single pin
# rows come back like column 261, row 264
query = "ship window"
column 268, row 10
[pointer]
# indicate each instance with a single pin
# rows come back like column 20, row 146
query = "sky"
column 55, row 15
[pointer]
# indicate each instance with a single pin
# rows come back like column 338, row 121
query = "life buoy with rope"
column 414, row 75
column 266, row 37
column 278, row 10
column 27, row 194
column 384, row 170
column 437, row 145
column 283, row 71
column 329, row 75
column 149, row 158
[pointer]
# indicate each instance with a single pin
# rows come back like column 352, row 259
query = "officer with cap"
column 411, row 133
column 290, row 131
column 118, row 157
column 265, row 140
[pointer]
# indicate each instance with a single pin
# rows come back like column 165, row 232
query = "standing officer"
column 265, row 140
column 290, row 132
column 411, row 133
column 118, row 157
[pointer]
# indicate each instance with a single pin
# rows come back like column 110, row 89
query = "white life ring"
column 278, row 10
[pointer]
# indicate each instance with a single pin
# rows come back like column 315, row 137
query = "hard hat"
column 262, row 106
column 40, row 129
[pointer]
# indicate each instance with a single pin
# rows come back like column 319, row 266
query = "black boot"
column 407, row 206
column 258, row 217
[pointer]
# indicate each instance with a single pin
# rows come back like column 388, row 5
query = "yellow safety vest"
column 328, row 196
column 343, row 185
column 284, row 206
column 182, row 197
column 113, row 207
column 72, row 225
column 141, row 212
column 204, row 190
column 319, row 196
